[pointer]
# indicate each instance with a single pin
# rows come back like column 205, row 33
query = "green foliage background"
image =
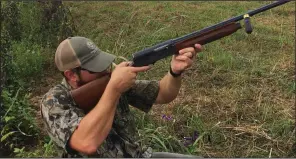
column 29, row 32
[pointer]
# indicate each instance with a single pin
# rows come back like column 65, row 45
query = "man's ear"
column 71, row 76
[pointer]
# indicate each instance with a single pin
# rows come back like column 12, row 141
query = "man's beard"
column 80, row 83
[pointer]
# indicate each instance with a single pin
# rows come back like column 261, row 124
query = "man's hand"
column 184, row 59
column 124, row 76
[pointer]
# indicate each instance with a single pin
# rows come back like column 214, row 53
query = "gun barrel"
column 269, row 6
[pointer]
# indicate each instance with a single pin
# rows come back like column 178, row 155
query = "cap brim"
column 100, row 63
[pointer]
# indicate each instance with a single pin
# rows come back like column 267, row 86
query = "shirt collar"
column 66, row 84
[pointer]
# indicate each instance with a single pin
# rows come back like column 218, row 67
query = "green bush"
column 18, row 120
column 29, row 30
column 27, row 62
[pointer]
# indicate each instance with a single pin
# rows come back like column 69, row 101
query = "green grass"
column 238, row 94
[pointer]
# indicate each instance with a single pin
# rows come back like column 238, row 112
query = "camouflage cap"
column 81, row 52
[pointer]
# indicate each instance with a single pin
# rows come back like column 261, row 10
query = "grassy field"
column 239, row 95
column 240, row 92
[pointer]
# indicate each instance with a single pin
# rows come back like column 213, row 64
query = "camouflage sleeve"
column 60, row 115
column 143, row 94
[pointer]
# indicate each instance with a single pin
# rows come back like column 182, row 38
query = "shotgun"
column 87, row 96
column 204, row 36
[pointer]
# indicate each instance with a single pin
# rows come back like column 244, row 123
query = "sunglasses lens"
column 109, row 70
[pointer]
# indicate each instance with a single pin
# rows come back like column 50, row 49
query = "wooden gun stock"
column 88, row 95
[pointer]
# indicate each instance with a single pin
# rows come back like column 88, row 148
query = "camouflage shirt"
column 62, row 116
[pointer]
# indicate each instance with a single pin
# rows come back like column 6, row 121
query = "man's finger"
column 123, row 64
column 182, row 58
column 188, row 49
column 189, row 54
column 198, row 47
column 140, row 69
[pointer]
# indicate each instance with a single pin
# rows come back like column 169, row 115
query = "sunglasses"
column 91, row 72
column 108, row 70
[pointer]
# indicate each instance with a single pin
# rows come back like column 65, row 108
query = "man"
column 106, row 130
